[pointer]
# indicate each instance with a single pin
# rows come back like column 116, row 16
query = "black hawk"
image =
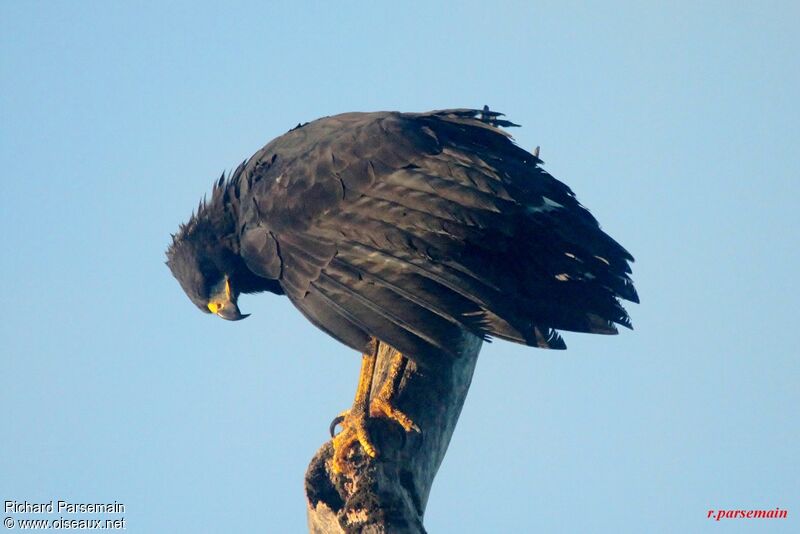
column 405, row 229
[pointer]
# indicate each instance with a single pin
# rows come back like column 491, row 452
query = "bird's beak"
column 223, row 303
column 231, row 313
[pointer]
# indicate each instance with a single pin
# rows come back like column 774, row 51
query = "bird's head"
column 204, row 255
column 206, row 269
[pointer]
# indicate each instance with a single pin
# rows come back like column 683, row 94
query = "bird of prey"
column 405, row 229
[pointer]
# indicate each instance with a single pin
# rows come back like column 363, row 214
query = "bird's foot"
column 382, row 407
column 354, row 431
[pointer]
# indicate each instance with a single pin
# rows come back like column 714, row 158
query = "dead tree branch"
column 389, row 493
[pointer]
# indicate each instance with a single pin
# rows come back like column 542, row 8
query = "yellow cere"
column 214, row 307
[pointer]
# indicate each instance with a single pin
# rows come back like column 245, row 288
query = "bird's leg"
column 354, row 421
column 382, row 405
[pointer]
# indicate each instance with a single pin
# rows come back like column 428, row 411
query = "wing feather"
column 413, row 227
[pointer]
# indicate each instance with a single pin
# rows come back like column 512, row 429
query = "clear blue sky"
column 676, row 124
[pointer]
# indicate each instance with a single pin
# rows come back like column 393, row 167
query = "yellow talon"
column 354, row 430
column 354, row 421
column 382, row 407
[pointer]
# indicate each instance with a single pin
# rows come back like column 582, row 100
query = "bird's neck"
column 227, row 236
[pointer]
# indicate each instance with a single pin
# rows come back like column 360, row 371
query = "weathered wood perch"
column 389, row 493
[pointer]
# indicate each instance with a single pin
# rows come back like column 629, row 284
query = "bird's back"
column 411, row 227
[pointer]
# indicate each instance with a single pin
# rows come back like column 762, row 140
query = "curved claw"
column 354, row 431
column 336, row 421
column 381, row 407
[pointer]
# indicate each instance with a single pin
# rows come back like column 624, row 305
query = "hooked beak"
column 223, row 303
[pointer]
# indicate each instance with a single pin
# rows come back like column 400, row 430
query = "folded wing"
column 412, row 227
